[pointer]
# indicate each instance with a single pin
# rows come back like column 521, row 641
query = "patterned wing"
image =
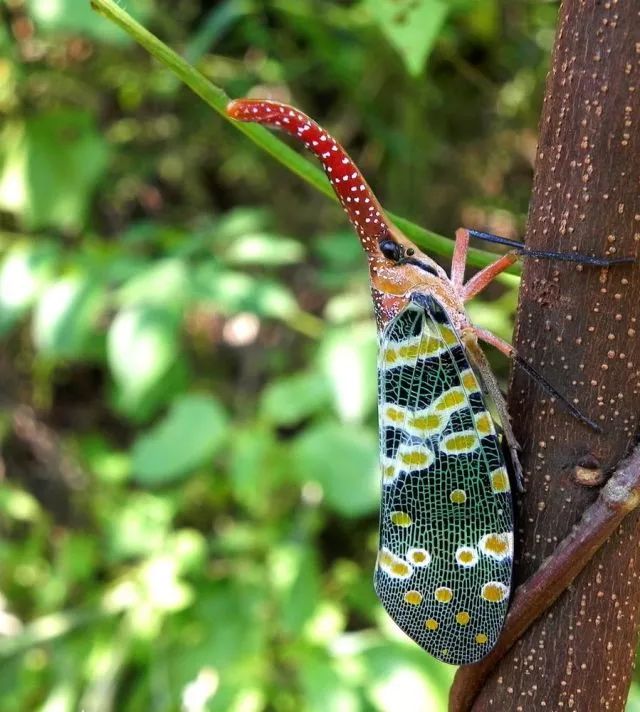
column 444, row 564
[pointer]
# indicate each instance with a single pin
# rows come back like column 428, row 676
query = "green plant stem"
column 51, row 627
column 218, row 99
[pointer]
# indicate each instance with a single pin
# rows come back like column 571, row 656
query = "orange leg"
column 486, row 275
column 459, row 259
column 495, row 341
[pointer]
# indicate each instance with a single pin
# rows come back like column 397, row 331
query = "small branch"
column 619, row 497
column 49, row 628
column 45, row 446
column 294, row 161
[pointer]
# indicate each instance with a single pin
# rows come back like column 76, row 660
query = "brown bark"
column 578, row 327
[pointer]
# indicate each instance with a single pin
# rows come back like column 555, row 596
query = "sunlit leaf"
column 234, row 292
column 263, row 249
column 142, row 345
column 52, row 168
column 71, row 16
column 24, row 271
column 65, row 316
column 295, row 578
column 139, row 526
column 17, row 504
column 109, row 464
column 326, row 684
column 187, row 437
column 399, row 674
column 411, row 26
column 164, row 282
column 348, row 360
column 226, row 629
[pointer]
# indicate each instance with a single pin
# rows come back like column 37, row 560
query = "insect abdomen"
column 446, row 525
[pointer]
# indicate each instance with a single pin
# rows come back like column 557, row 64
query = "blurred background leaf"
column 411, row 26
column 188, row 433
column 52, row 167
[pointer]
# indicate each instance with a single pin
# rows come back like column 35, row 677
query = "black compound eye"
column 391, row 250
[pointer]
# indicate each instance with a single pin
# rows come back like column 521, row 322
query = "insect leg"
column 459, row 259
column 524, row 251
column 509, row 351
column 480, row 364
column 486, row 275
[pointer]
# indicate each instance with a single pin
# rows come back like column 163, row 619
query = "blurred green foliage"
column 187, row 372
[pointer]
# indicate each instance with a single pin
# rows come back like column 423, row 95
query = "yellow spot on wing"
column 443, row 594
column 450, row 400
column 458, row 443
column 393, row 565
column 389, row 471
column 414, row 457
column 500, row 480
column 428, row 423
column 458, row 496
column 481, row 638
column 431, row 624
column 494, row 592
column 410, row 352
column 449, row 335
column 484, row 423
column 395, row 415
column 497, row 546
column 390, row 356
column 399, row 568
column 419, row 557
column 401, row 519
column 414, row 598
column 430, row 347
column 462, row 618
column 466, row 556
column 469, row 381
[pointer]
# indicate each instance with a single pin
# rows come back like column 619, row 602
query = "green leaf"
column 186, row 438
column 344, row 461
column 139, row 526
column 399, row 674
column 24, row 271
column 255, row 466
column 108, row 464
column 234, row 292
column 348, row 359
column 142, row 345
column 226, row 629
column 66, row 315
column 411, row 26
column 291, row 399
column 263, row 249
column 164, row 282
column 71, row 16
column 326, row 684
column 52, row 168
column 295, row 580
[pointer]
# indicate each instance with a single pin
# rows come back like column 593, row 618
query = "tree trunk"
column 578, row 326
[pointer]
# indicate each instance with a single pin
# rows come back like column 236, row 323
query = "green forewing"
column 446, row 523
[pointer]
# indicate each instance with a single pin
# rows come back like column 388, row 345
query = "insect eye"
column 391, row 250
